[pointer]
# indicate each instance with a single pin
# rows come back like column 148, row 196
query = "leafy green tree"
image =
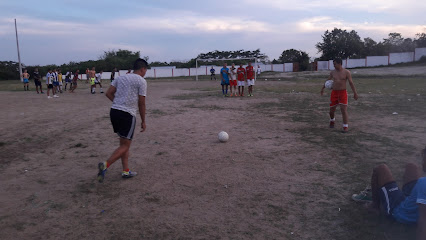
column 340, row 44
column 420, row 40
column 396, row 43
column 293, row 55
column 230, row 54
column 9, row 70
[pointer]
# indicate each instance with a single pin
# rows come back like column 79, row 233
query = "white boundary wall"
column 371, row 61
column 419, row 53
column 353, row 63
column 401, row 57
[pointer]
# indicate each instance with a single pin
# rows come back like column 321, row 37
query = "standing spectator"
column 233, row 81
column 60, row 80
column 68, row 80
column 224, row 75
column 250, row 78
column 241, row 72
column 26, row 76
column 87, row 75
column 74, row 81
column 212, row 74
column 113, row 74
column 37, row 80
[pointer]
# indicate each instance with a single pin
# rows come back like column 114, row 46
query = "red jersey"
column 241, row 72
column 250, row 72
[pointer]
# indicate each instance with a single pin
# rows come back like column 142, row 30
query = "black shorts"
column 50, row 86
column 391, row 196
column 123, row 123
column 37, row 83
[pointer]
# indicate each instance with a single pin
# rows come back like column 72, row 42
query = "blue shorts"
column 55, row 83
column 26, row 80
column 226, row 82
column 391, row 196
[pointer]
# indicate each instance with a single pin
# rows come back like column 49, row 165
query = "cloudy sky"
column 60, row 31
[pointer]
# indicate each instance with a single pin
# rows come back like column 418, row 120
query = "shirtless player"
column 339, row 95
column 26, row 76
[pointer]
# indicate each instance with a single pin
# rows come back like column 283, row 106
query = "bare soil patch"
column 282, row 175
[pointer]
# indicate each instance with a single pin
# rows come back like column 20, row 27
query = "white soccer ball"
column 329, row 84
column 223, row 136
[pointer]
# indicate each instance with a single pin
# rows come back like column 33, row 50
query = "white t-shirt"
column 233, row 73
column 129, row 88
column 259, row 70
column 48, row 78
column 55, row 76
column 98, row 77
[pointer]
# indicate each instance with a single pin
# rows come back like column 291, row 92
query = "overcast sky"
column 56, row 32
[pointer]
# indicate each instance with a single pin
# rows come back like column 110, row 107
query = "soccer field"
column 283, row 174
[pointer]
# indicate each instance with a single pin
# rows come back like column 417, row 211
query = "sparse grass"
column 352, row 155
column 192, row 96
column 205, row 107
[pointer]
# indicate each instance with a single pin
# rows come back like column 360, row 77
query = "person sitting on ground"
column 407, row 205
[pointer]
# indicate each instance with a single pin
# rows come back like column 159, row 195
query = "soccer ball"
column 223, row 136
column 328, row 84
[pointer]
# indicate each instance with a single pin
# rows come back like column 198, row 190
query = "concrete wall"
column 353, row 63
column 331, row 66
column 322, row 65
column 401, row 57
column 373, row 61
column 419, row 53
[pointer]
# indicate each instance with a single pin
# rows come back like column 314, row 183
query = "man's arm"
column 142, row 110
column 421, row 223
column 330, row 77
column 110, row 94
column 352, row 85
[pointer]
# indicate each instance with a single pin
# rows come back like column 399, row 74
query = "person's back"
column 129, row 87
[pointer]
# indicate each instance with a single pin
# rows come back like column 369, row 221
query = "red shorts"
column 338, row 97
column 233, row 83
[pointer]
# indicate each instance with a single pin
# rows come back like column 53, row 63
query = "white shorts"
column 60, row 83
column 250, row 82
column 241, row 83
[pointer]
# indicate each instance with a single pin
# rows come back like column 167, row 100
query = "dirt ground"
column 283, row 174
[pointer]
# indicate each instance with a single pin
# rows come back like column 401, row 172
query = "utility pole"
column 19, row 56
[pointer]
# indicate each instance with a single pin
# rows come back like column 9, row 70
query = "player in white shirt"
column 98, row 80
column 127, row 94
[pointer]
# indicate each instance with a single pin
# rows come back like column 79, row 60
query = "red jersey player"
column 241, row 72
column 250, row 78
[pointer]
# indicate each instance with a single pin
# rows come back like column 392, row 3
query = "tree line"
column 335, row 43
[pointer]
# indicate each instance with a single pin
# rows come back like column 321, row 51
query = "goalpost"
column 222, row 59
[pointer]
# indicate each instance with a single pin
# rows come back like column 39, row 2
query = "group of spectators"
column 56, row 82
